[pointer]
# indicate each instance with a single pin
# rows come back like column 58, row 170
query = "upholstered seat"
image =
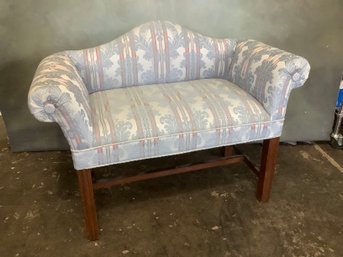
column 157, row 120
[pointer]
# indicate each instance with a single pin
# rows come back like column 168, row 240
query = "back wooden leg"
column 87, row 196
column 228, row 150
column 268, row 161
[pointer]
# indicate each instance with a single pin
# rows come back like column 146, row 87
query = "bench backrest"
column 155, row 52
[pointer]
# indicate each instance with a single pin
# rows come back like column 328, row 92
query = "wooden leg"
column 87, row 196
column 228, row 151
column 268, row 161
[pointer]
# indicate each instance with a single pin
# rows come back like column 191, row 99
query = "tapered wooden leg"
column 228, row 150
column 87, row 197
column 268, row 161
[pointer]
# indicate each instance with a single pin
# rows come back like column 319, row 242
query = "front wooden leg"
column 87, row 197
column 268, row 162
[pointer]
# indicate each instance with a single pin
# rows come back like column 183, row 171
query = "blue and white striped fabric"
column 163, row 119
column 161, row 89
column 155, row 52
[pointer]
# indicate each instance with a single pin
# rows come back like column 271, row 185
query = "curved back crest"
column 155, row 52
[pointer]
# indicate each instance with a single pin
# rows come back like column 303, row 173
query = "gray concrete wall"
column 33, row 29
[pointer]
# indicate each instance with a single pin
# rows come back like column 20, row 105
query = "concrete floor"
column 208, row 213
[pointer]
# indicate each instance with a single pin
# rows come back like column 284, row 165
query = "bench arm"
column 58, row 94
column 267, row 73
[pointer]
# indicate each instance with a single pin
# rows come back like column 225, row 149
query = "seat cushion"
column 164, row 119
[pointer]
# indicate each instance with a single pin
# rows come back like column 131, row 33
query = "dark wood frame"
column 265, row 176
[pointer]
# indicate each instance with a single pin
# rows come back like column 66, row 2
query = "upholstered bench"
column 162, row 90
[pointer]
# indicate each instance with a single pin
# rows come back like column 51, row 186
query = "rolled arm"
column 58, row 94
column 268, row 73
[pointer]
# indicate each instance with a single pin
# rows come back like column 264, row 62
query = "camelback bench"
column 160, row 90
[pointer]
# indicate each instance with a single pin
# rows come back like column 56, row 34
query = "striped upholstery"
column 161, row 89
column 58, row 94
column 155, row 52
column 143, row 122
column 267, row 73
